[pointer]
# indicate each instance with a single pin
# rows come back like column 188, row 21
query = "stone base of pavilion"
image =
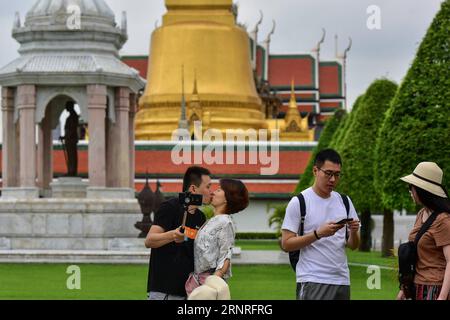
column 67, row 187
column 69, row 224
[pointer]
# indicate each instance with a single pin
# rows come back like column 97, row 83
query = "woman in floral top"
column 215, row 240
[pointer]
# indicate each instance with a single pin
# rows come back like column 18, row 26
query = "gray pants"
column 158, row 296
column 318, row 291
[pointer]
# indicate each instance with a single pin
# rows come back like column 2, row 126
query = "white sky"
column 376, row 53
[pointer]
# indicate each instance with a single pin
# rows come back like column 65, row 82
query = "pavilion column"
column 27, row 108
column 9, row 153
column 111, row 153
column 17, row 153
column 123, row 144
column 45, row 154
column 132, row 137
column 97, row 99
column 117, row 147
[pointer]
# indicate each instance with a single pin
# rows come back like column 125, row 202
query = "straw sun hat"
column 427, row 176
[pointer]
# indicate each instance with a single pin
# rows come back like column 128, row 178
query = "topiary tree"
column 328, row 132
column 344, row 126
column 358, row 153
column 416, row 127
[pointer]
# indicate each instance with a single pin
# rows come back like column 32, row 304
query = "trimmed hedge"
column 342, row 130
column 256, row 236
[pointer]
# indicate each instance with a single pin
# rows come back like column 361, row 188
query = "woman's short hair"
column 236, row 194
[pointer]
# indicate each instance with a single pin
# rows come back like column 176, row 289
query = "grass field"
column 128, row 282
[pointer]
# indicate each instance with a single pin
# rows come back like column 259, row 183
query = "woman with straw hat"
column 432, row 276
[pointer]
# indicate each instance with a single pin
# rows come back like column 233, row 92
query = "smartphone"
column 344, row 221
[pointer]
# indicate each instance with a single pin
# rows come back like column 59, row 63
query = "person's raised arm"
column 290, row 241
column 157, row 237
column 354, row 238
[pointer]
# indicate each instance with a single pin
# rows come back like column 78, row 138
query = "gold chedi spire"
column 293, row 119
column 183, row 123
column 195, row 112
column 203, row 36
column 295, row 128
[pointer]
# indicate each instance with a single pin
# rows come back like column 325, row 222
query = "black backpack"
column 407, row 260
column 295, row 255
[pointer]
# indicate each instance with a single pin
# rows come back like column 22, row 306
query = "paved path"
column 136, row 257
column 126, row 257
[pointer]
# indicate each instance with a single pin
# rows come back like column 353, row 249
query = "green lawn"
column 264, row 245
column 128, row 282
column 354, row 256
column 122, row 282
column 372, row 258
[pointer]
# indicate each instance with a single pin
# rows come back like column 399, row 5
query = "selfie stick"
column 183, row 225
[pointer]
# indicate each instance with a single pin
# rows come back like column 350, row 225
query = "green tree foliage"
column 358, row 153
column 344, row 126
column 416, row 127
column 358, row 146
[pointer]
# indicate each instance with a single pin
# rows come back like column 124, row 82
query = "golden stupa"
column 293, row 127
column 202, row 55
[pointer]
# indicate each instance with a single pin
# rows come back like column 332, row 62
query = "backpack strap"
column 301, row 199
column 426, row 226
column 346, row 203
column 347, row 209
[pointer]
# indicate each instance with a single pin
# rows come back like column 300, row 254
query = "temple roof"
column 68, row 70
column 330, row 80
column 283, row 67
column 68, row 64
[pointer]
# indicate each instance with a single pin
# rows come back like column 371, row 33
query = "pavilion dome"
column 70, row 42
column 55, row 12
column 70, row 25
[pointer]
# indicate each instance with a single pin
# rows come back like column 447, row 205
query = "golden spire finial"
column 183, row 99
column 183, row 120
column 195, row 92
column 293, row 102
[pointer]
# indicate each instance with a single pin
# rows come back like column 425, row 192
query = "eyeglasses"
column 330, row 174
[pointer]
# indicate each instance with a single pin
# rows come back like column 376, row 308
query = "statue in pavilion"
column 71, row 139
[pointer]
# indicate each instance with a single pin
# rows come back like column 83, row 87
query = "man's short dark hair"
column 327, row 155
column 193, row 176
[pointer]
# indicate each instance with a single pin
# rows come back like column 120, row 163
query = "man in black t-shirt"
column 172, row 255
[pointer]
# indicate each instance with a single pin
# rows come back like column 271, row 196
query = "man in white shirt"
column 322, row 270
